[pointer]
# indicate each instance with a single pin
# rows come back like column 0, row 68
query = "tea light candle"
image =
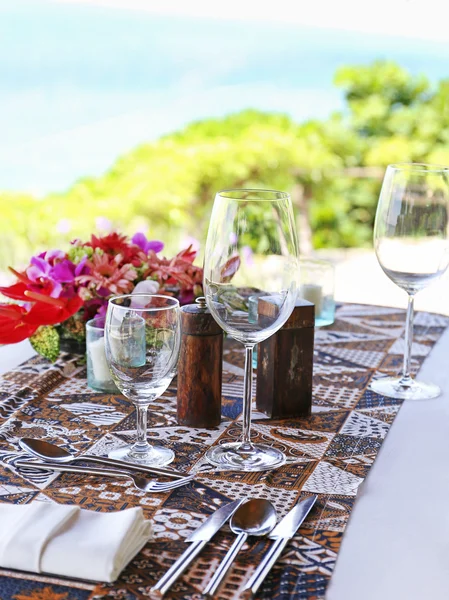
column 313, row 293
column 98, row 358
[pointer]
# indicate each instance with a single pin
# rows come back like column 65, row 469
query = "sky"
column 408, row 18
column 83, row 82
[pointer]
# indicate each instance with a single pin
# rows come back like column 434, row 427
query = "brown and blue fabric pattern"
column 329, row 454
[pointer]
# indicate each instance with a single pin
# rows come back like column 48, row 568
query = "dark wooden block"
column 285, row 363
column 199, row 369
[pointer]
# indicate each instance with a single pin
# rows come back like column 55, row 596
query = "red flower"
column 187, row 255
column 13, row 326
column 51, row 311
column 18, row 291
column 114, row 244
column 18, row 323
column 178, row 272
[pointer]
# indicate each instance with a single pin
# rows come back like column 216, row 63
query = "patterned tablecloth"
column 329, row 453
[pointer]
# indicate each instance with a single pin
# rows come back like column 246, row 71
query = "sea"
column 82, row 84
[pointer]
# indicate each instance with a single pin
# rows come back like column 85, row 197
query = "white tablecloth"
column 11, row 356
column 396, row 545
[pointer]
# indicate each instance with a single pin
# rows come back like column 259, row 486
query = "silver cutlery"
column 209, row 469
column 46, row 451
column 282, row 533
column 141, row 483
column 199, row 539
column 255, row 517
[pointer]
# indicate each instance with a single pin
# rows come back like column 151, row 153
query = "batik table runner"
column 329, row 453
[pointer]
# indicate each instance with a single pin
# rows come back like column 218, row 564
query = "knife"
column 199, row 537
column 282, row 533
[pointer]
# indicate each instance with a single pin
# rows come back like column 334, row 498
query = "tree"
column 333, row 167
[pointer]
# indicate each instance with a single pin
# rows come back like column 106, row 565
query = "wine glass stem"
column 141, row 446
column 248, row 395
column 406, row 380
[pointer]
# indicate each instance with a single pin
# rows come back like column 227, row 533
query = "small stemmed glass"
column 142, row 339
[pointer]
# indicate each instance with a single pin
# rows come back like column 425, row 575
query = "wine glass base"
column 155, row 457
column 245, row 457
column 417, row 390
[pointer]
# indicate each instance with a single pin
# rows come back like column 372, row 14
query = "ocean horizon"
column 81, row 85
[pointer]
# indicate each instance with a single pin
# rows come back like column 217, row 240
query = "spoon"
column 141, row 483
column 56, row 454
column 254, row 517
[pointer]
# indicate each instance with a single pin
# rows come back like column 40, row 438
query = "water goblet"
column 251, row 252
column 412, row 246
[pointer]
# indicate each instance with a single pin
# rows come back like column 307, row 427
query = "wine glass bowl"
column 251, row 253
column 142, row 338
column 411, row 241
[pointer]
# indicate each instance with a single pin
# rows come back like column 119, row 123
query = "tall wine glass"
column 142, row 338
column 412, row 247
column 251, row 254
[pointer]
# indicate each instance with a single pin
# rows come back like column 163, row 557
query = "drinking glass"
column 251, row 250
column 99, row 377
column 411, row 244
column 317, row 283
column 142, row 338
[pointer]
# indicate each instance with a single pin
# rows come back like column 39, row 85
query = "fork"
column 141, row 483
column 209, row 469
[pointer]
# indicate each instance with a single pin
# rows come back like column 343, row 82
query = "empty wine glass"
column 142, row 338
column 251, row 254
column 411, row 244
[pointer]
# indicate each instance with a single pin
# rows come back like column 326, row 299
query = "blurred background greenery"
column 333, row 168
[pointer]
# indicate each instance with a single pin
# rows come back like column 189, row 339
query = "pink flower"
column 107, row 276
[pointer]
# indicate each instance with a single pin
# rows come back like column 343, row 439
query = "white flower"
column 149, row 286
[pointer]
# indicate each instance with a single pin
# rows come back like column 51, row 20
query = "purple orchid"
column 140, row 240
column 64, row 272
column 82, row 268
column 51, row 256
column 40, row 271
column 45, row 269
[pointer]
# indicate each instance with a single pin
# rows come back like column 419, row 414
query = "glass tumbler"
column 98, row 375
column 317, row 283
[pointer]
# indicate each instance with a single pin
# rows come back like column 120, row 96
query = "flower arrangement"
column 59, row 291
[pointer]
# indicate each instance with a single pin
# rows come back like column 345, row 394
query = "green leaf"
column 46, row 342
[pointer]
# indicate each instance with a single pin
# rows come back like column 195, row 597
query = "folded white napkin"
column 65, row 540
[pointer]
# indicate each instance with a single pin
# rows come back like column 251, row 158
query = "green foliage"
column 46, row 342
column 168, row 186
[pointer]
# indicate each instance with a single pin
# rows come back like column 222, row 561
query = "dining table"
column 380, row 467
